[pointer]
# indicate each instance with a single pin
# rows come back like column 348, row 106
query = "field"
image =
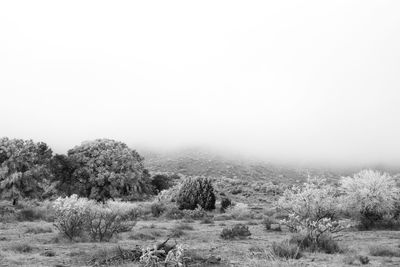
column 38, row 243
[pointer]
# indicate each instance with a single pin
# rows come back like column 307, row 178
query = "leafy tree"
column 196, row 192
column 23, row 168
column 62, row 169
column 162, row 182
column 108, row 169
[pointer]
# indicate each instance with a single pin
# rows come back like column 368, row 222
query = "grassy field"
column 38, row 243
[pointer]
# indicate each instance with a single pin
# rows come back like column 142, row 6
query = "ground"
column 35, row 248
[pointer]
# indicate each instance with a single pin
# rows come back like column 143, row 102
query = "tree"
column 370, row 195
column 196, row 192
column 108, row 169
column 62, row 169
column 162, row 182
column 23, row 168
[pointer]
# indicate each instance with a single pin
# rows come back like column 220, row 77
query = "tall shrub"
column 369, row 196
column 195, row 192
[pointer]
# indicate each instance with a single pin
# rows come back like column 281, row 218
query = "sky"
column 302, row 81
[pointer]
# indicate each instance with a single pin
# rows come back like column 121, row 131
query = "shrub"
column 103, row 221
column 174, row 213
column 196, row 191
column 267, row 222
column 157, row 208
column 38, row 230
column 170, row 194
column 369, row 195
column 70, row 213
column 225, row 203
column 197, row 214
column 286, row 250
column 237, row 231
column 161, row 182
column 383, row 251
column 313, row 200
column 106, row 169
column 240, row 211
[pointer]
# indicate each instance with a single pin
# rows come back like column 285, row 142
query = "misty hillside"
column 194, row 162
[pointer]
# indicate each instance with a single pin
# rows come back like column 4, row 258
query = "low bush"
column 38, row 230
column 103, row 221
column 174, row 213
column 157, row 209
column 239, row 231
column 75, row 216
column 268, row 222
column 21, row 248
column 240, row 211
column 286, row 250
column 197, row 214
column 324, row 243
column 225, row 203
column 384, row 251
column 71, row 215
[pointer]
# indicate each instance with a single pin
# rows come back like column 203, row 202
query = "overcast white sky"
column 297, row 80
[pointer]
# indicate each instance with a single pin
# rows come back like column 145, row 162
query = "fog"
column 296, row 81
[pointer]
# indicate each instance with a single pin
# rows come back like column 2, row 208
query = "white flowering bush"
column 70, row 215
column 313, row 200
column 103, row 221
column 370, row 196
column 74, row 216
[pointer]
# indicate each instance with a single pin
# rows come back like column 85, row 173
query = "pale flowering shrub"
column 370, row 196
column 75, row 216
column 313, row 200
column 70, row 215
column 103, row 221
column 239, row 211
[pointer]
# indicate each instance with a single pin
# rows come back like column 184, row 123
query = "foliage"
column 23, row 168
column 108, row 169
column 174, row 213
column 195, row 192
column 71, row 215
column 268, row 222
column 286, row 250
column 314, row 200
column 162, row 182
column 369, row 195
column 237, row 231
column 225, row 203
column 62, row 169
column 169, row 195
column 197, row 214
column 157, row 208
column 384, row 251
column 103, row 221
column 239, row 211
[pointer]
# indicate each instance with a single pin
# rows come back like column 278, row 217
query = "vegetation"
column 196, row 192
column 237, row 231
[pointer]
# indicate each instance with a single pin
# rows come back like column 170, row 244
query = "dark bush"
column 225, row 203
column 161, row 182
column 196, row 192
column 237, row 231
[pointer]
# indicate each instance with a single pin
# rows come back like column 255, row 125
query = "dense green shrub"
column 109, row 169
column 23, row 168
column 225, row 203
column 161, row 182
column 196, row 191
